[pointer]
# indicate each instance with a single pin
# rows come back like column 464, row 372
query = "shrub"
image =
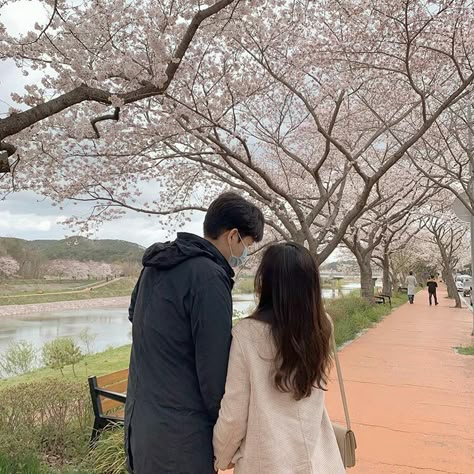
column 236, row 314
column 61, row 352
column 19, row 358
column 87, row 338
column 48, row 418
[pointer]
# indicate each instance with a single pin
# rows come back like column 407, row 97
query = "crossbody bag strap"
column 341, row 381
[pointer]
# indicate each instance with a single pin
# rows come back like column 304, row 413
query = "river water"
column 108, row 326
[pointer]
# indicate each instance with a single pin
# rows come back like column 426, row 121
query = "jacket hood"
column 170, row 254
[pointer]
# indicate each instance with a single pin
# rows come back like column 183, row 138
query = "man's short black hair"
column 231, row 211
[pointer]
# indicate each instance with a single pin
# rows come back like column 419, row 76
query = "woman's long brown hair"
column 289, row 290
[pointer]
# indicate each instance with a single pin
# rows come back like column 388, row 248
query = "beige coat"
column 262, row 430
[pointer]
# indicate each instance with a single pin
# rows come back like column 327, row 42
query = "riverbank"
column 351, row 315
column 120, row 287
column 25, row 310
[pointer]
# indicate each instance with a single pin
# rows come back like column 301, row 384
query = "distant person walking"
column 411, row 284
column 432, row 285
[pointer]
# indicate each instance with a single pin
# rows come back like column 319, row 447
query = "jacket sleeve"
column 231, row 427
column 133, row 298
column 211, row 322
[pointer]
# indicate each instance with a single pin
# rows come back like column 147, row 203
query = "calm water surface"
column 109, row 326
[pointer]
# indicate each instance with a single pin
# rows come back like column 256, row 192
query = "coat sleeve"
column 133, row 298
column 231, row 427
column 211, row 322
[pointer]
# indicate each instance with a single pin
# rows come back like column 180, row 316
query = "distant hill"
column 73, row 248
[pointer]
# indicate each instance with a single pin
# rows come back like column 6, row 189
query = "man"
column 432, row 285
column 411, row 284
column 181, row 314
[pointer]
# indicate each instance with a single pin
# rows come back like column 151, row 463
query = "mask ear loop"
column 241, row 267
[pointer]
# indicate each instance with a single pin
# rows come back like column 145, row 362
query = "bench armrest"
column 118, row 397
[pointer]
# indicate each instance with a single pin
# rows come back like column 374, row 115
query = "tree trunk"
column 451, row 284
column 453, row 290
column 386, row 280
column 448, row 277
column 445, row 279
column 366, row 281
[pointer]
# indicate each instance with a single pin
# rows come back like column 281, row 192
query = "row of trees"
column 67, row 269
column 346, row 122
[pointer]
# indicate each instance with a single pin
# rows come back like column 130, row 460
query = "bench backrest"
column 113, row 382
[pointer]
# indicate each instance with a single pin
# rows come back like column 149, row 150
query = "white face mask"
column 238, row 261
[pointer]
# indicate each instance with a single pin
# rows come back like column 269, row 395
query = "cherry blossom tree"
column 394, row 255
column 9, row 267
column 295, row 117
column 77, row 270
column 301, row 119
column 449, row 235
column 98, row 57
column 446, row 154
column 397, row 197
column 419, row 256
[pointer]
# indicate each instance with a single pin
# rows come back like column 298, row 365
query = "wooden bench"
column 108, row 395
column 380, row 298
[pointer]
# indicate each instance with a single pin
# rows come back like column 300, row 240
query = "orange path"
column 410, row 395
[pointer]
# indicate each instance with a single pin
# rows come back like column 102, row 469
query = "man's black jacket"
column 181, row 314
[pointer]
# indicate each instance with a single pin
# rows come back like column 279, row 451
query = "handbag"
column 344, row 435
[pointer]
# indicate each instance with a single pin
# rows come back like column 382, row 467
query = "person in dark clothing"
column 181, row 314
column 432, row 285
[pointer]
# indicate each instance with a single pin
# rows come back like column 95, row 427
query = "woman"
column 411, row 284
column 272, row 418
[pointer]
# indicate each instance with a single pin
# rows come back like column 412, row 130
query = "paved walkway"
column 410, row 395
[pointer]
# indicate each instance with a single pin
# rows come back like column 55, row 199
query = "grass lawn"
column 97, row 364
column 119, row 287
column 17, row 286
column 467, row 350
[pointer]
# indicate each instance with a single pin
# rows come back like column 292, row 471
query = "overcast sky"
column 29, row 216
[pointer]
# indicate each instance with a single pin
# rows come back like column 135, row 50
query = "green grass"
column 97, row 364
column 26, row 464
column 122, row 287
column 352, row 314
column 467, row 350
